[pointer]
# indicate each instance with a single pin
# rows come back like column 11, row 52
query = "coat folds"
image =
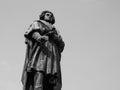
column 43, row 56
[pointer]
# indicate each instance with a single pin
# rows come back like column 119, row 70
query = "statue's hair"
column 42, row 16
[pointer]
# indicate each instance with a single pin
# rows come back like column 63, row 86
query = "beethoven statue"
column 42, row 70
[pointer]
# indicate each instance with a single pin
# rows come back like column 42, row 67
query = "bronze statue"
column 42, row 70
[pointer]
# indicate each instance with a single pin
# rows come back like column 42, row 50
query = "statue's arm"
column 33, row 32
column 59, row 41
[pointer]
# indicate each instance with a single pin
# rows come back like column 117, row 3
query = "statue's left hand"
column 45, row 38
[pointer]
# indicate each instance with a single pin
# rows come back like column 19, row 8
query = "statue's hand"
column 46, row 38
column 40, row 38
column 36, row 36
column 43, row 39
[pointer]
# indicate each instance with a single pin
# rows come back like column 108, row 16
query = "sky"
column 90, row 30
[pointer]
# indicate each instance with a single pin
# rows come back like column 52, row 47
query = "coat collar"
column 48, row 24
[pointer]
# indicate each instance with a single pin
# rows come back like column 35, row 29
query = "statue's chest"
column 44, row 29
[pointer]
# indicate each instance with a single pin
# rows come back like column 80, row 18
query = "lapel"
column 45, row 24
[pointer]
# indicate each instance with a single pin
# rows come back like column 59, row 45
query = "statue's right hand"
column 36, row 35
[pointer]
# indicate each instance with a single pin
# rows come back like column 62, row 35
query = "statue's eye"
column 48, row 14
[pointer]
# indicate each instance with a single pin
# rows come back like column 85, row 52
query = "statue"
column 42, row 70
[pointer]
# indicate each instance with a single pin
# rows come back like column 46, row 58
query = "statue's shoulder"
column 39, row 22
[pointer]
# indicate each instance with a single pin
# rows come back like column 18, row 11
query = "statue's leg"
column 38, row 81
column 30, row 81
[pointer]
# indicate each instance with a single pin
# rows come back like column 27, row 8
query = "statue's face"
column 47, row 16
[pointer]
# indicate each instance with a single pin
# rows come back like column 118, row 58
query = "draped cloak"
column 43, row 56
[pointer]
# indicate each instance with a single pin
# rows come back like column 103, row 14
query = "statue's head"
column 47, row 16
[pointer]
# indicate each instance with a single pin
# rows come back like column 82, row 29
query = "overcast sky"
column 90, row 29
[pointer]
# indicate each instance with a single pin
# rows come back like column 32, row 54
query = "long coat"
column 43, row 55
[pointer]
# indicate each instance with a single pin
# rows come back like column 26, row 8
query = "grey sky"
column 90, row 29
